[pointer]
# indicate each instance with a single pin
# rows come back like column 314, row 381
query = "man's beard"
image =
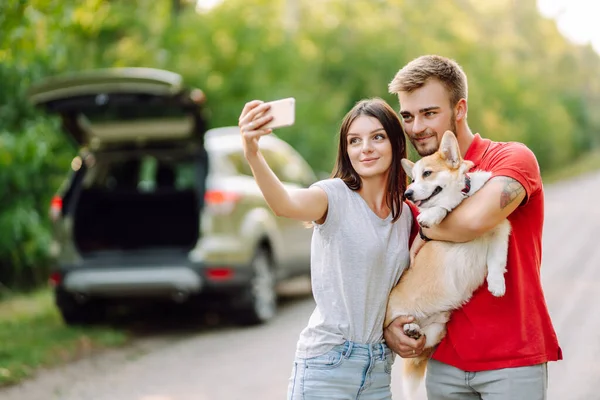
column 427, row 151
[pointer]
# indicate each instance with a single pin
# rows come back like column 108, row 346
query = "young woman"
column 360, row 247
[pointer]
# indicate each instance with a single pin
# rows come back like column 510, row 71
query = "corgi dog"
column 443, row 275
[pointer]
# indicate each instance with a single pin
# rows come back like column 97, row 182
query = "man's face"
column 426, row 115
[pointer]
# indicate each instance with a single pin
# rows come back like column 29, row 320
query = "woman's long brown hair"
column 396, row 184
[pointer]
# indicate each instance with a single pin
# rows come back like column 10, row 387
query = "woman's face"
column 369, row 148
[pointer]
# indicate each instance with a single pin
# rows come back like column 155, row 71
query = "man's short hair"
column 416, row 73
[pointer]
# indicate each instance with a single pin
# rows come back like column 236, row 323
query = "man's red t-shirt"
column 514, row 330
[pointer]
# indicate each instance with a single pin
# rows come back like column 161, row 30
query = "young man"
column 495, row 348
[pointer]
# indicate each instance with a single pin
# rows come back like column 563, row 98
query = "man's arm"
column 493, row 203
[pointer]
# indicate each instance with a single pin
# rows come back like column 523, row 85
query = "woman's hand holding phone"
column 259, row 118
column 252, row 123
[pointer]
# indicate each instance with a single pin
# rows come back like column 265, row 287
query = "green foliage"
column 31, row 166
column 33, row 154
column 527, row 83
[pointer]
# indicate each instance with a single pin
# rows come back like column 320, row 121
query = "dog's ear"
column 407, row 165
column 449, row 149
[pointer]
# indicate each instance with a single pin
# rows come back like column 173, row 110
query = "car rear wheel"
column 260, row 297
column 79, row 313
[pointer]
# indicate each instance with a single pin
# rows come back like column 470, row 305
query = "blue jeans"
column 348, row 371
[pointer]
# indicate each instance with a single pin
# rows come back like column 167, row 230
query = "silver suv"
column 156, row 207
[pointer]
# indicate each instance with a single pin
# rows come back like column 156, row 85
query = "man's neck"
column 465, row 138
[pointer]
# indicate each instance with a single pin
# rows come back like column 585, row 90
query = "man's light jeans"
column 348, row 371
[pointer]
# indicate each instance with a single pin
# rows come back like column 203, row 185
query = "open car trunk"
column 134, row 201
column 131, row 220
column 141, row 170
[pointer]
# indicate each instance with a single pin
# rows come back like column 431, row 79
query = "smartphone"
column 283, row 112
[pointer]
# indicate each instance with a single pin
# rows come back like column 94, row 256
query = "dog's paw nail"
column 413, row 331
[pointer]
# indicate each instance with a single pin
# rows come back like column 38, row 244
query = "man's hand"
column 399, row 342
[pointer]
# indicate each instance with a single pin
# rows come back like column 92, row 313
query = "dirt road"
column 230, row 363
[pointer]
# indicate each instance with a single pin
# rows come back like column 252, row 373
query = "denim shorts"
column 348, row 371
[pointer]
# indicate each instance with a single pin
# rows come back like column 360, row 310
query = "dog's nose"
column 409, row 194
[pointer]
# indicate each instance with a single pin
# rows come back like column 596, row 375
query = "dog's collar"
column 467, row 187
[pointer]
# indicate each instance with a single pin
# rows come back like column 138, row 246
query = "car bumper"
column 133, row 281
column 149, row 281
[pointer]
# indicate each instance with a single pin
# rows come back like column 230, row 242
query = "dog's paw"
column 431, row 217
column 424, row 221
column 413, row 331
column 497, row 287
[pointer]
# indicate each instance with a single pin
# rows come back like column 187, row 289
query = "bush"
column 32, row 162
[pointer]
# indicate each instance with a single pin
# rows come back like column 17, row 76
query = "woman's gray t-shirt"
column 356, row 259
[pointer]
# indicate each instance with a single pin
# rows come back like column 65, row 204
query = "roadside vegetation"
column 33, row 335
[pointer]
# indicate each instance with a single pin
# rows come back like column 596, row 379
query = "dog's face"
column 438, row 175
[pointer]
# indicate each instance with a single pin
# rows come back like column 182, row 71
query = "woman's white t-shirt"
column 356, row 259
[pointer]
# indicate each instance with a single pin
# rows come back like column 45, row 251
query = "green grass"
column 587, row 163
column 33, row 335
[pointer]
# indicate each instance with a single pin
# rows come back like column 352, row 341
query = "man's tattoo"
column 512, row 190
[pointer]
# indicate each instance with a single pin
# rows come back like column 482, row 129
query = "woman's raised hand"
column 251, row 123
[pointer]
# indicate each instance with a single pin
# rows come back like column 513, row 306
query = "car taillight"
column 219, row 274
column 56, row 205
column 221, row 202
column 54, row 279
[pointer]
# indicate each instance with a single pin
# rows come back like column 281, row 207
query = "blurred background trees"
column 526, row 81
